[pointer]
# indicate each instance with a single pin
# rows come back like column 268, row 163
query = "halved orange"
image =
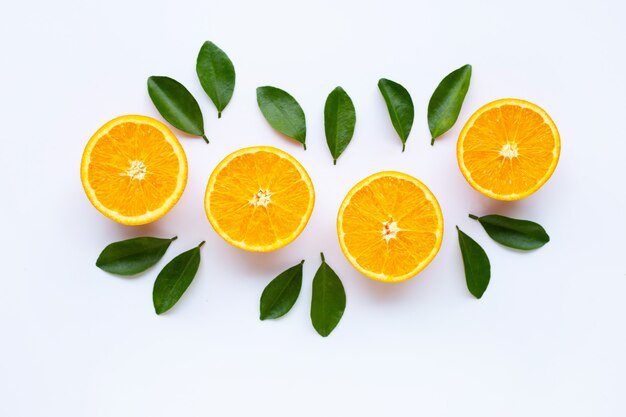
column 390, row 226
column 259, row 198
column 508, row 149
column 133, row 169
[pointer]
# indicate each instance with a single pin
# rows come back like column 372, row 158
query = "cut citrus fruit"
column 259, row 199
column 390, row 226
column 508, row 149
column 133, row 169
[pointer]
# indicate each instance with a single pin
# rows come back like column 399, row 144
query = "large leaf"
column 328, row 300
column 476, row 264
column 400, row 106
column 514, row 233
column 176, row 105
column 174, row 279
column 216, row 74
column 339, row 121
column 281, row 293
column 282, row 112
column 132, row 256
column 445, row 104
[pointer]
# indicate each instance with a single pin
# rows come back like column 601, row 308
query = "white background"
column 547, row 339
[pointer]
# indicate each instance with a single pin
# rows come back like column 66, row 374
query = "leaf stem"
column 432, row 141
column 205, row 138
column 334, row 162
column 301, row 262
column 304, row 144
column 471, row 216
column 403, row 146
column 174, row 238
column 219, row 114
column 201, row 243
column 322, row 255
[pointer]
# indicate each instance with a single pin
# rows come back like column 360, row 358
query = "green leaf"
column 282, row 112
column 328, row 301
column 176, row 105
column 400, row 106
column 174, row 279
column 514, row 233
column 339, row 121
column 445, row 104
column 476, row 264
column 217, row 75
column 281, row 293
column 132, row 256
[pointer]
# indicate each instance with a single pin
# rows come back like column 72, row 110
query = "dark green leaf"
column 174, row 279
column 217, row 75
column 400, row 107
column 282, row 112
column 476, row 264
column 445, row 104
column 514, row 233
column 281, row 293
column 328, row 301
column 176, row 105
column 132, row 256
column 339, row 121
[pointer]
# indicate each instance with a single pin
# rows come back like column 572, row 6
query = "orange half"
column 259, row 199
column 508, row 149
column 390, row 226
column 133, row 169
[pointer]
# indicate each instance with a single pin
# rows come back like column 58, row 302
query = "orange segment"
column 390, row 226
column 508, row 149
column 133, row 169
column 259, row 199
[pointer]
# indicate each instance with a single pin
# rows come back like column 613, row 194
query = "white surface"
column 548, row 337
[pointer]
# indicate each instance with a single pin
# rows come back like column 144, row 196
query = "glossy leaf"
column 282, row 112
column 328, row 301
column 132, row 256
column 476, row 264
column 174, row 279
column 514, row 233
column 281, row 293
column 176, row 105
column 400, row 106
column 445, row 104
column 339, row 121
column 217, row 75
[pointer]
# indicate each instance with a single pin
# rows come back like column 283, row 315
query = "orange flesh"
column 259, row 200
column 391, row 228
column 509, row 150
column 133, row 169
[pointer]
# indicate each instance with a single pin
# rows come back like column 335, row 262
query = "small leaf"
column 339, row 121
column 476, row 264
column 400, row 106
column 514, row 233
column 282, row 112
column 217, row 75
column 174, row 279
column 132, row 256
column 328, row 301
column 176, row 105
column 445, row 104
column 281, row 293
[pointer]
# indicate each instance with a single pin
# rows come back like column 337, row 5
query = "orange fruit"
column 133, row 169
column 508, row 149
column 259, row 199
column 390, row 226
